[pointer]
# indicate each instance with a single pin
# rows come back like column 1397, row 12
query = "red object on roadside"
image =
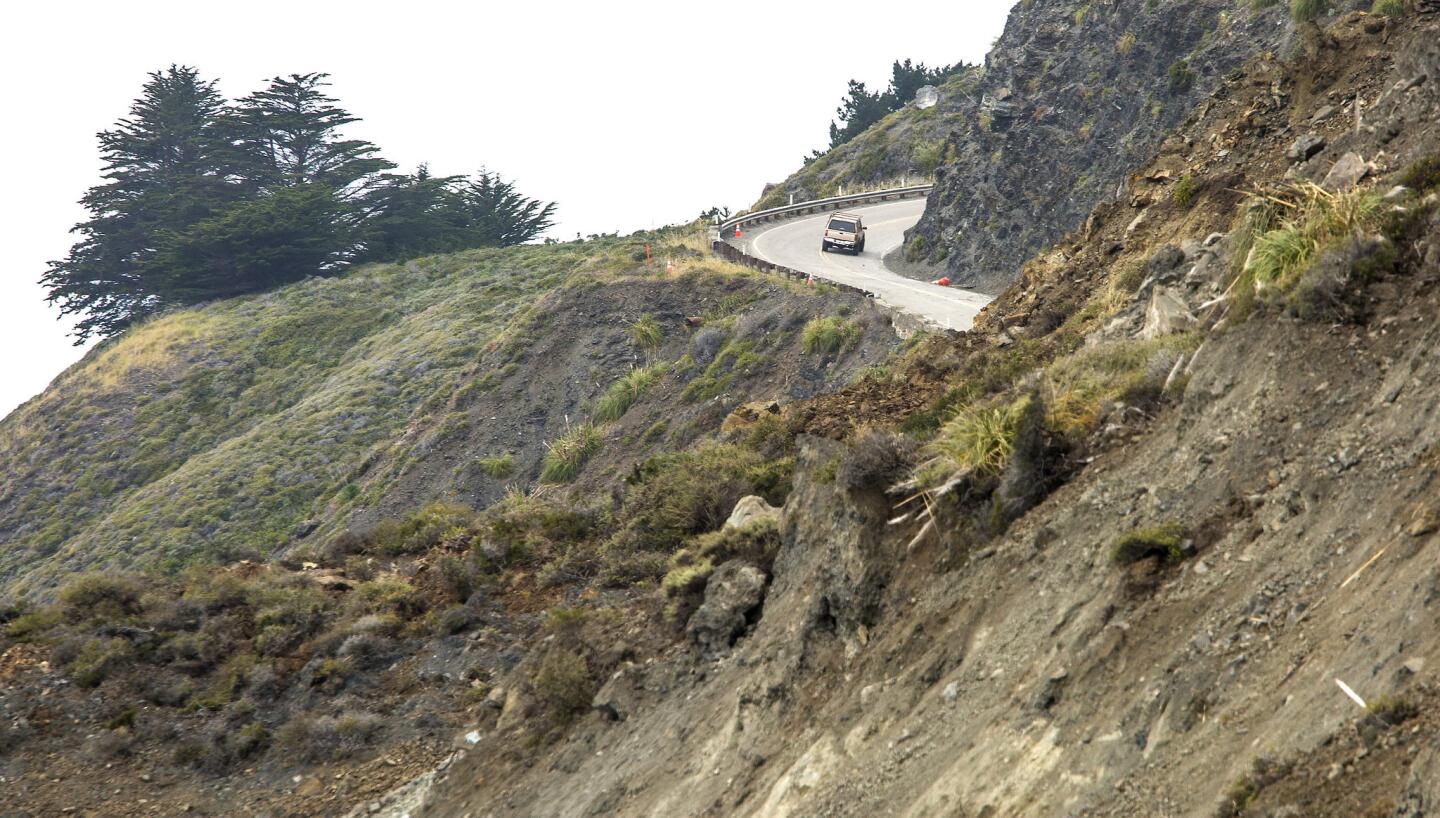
column 944, row 282
column 737, row 231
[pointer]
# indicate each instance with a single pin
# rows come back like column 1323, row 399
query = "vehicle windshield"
column 840, row 224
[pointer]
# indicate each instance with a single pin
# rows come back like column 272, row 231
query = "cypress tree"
column 289, row 134
column 162, row 172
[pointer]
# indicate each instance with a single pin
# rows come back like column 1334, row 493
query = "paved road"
column 796, row 244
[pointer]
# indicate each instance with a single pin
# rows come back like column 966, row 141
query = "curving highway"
column 796, row 244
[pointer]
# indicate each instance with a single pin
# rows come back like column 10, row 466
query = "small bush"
column 1393, row 710
column 387, row 595
column 100, row 597
column 567, row 454
column 1126, row 43
column 1163, row 541
column 421, row 530
column 1423, row 175
column 324, row 738
column 829, row 335
column 1389, row 8
column 285, row 616
column 1181, row 77
column 27, row 627
column 1303, row 11
column 89, row 661
column 564, row 683
column 875, row 460
column 454, row 619
column 1184, row 193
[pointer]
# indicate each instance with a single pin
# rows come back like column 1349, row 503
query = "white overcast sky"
column 628, row 114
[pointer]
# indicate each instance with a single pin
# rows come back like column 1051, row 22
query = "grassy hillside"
column 908, row 144
column 237, row 428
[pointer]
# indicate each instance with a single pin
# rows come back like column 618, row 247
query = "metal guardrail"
column 817, row 205
column 724, row 249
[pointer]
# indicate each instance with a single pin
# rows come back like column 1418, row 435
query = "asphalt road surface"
column 796, row 244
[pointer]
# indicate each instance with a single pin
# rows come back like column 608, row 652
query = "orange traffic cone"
column 737, row 231
column 669, row 266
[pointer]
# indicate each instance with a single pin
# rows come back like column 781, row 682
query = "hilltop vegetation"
column 207, row 199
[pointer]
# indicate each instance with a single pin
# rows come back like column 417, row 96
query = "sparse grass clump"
column 1126, row 43
column 1303, row 11
column 1389, row 8
column 1164, row 541
column 1282, row 234
column 645, row 333
column 567, row 454
column 498, row 466
column 829, row 335
column 621, row 395
column 976, row 439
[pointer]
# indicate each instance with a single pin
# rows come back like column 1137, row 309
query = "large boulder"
column 734, row 592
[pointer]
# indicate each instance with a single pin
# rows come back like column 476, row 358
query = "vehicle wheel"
column 824, row 248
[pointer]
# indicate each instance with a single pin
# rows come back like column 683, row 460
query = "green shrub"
column 1303, row 11
column 1389, row 8
column 1393, row 710
column 1163, row 541
column 421, row 530
column 677, row 495
column 325, row 738
column 1423, row 175
column 567, row 454
column 1257, row 5
column 1184, row 193
column 829, row 335
column 28, row 627
column 385, row 595
column 1181, row 77
column 100, row 597
column 564, row 683
column 285, row 616
column 92, row 660
column 690, row 567
column 621, row 395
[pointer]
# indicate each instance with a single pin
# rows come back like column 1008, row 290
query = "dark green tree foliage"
column 860, row 108
column 289, row 134
column 161, row 166
column 204, row 200
column 419, row 214
column 271, row 240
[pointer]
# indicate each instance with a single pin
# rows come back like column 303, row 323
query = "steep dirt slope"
column 1162, row 634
